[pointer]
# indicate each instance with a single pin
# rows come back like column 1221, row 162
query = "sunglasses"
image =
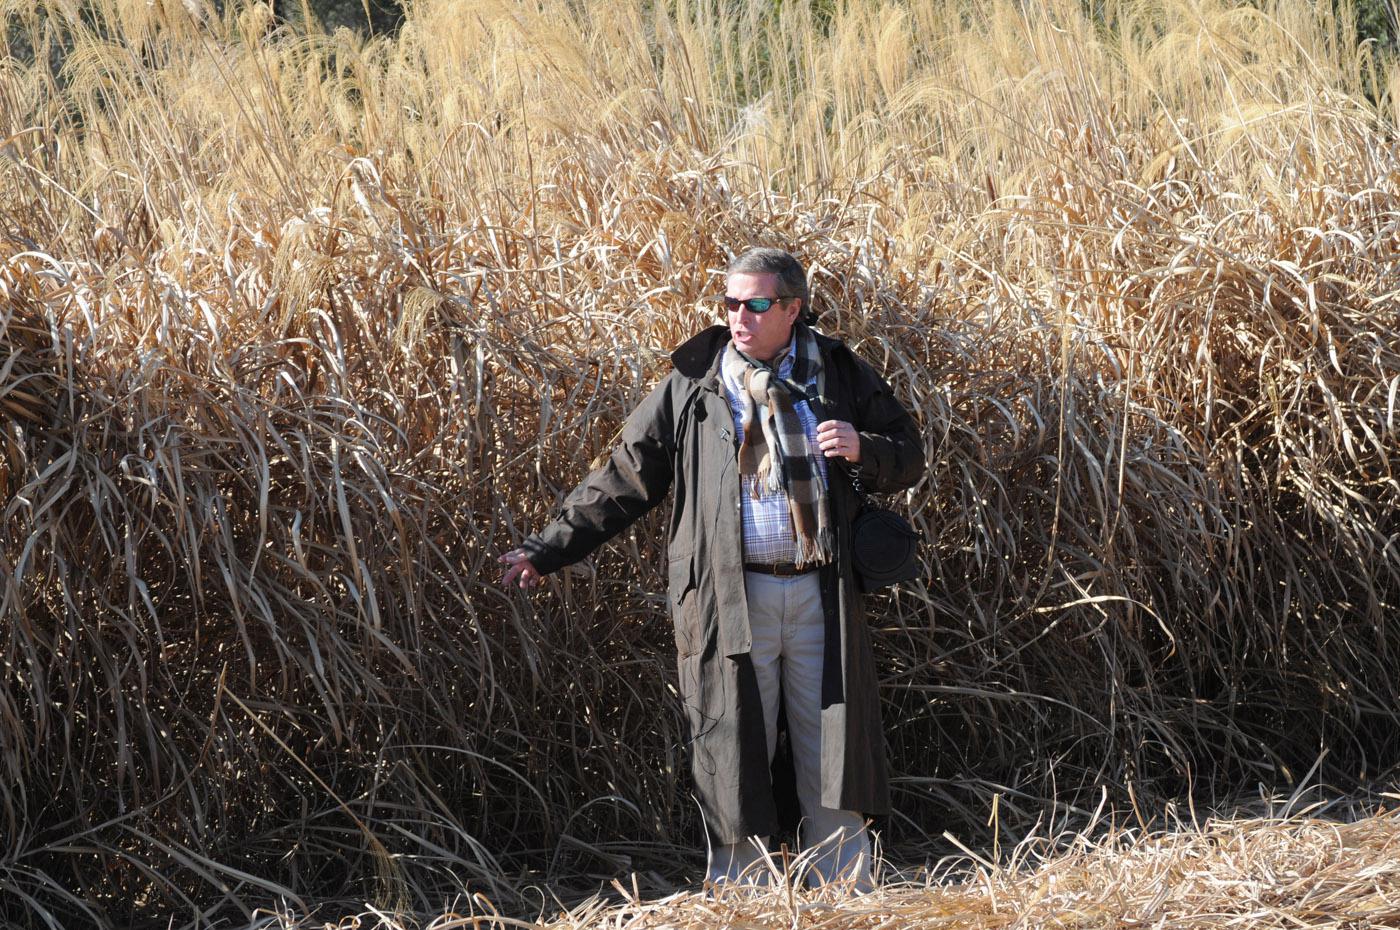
column 754, row 304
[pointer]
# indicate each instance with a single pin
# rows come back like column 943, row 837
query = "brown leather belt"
column 781, row 569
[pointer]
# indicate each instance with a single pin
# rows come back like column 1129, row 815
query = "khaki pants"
column 785, row 617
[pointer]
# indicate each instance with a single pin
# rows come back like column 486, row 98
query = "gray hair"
column 792, row 278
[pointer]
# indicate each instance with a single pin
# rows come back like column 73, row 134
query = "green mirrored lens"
column 755, row 304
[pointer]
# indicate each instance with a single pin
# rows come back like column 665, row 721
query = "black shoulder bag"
column 884, row 546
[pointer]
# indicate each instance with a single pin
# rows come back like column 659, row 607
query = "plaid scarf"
column 776, row 454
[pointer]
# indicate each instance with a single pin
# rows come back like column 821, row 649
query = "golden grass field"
column 299, row 330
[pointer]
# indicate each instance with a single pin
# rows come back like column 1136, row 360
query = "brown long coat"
column 682, row 434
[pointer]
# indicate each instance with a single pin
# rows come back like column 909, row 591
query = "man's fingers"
column 838, row 439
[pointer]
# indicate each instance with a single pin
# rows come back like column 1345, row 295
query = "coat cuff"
column 875, row 451
column 542, row 555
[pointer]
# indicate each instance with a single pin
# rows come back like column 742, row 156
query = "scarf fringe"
column 814, row 551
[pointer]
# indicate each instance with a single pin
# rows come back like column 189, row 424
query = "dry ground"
column 1253, row 873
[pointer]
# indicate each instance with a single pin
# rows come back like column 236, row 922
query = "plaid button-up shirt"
column 768, row 533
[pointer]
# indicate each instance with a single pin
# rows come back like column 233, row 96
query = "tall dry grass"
column 300, row 330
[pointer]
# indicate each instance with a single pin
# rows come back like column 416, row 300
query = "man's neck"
column 773, row 360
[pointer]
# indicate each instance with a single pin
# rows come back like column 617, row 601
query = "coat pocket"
column 681, row 582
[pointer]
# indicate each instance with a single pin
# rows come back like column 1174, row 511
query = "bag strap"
column 818, row 408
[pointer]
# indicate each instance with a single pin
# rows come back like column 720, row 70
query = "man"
column 756, row 427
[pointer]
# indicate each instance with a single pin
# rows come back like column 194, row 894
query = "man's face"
column 760, row 335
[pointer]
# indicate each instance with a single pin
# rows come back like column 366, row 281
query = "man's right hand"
column 522, row 571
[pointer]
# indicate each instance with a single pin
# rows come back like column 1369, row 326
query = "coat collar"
column 698, row 356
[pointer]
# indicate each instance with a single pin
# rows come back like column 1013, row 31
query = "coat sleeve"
column 891, row 449
column 635, row 479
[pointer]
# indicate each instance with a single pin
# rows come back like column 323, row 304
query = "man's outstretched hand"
column 522, row 571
